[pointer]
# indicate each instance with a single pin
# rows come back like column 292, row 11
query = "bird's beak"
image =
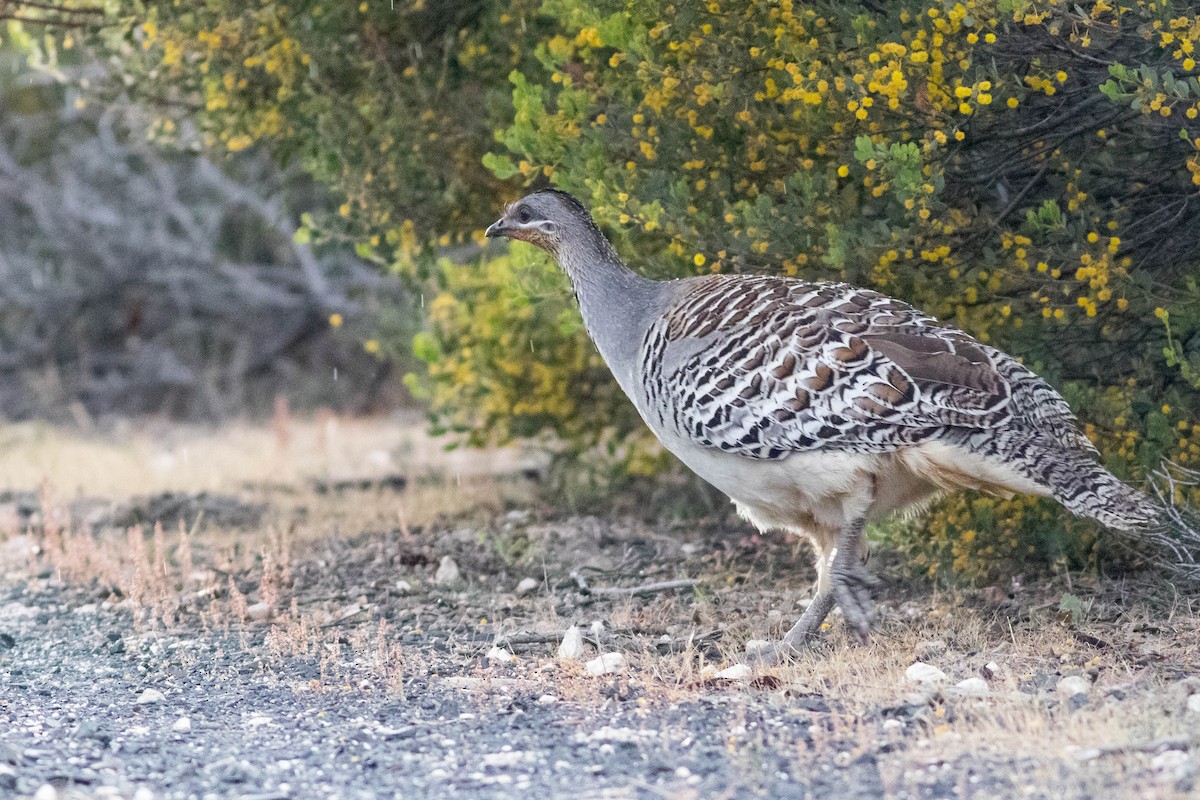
column 497, row 228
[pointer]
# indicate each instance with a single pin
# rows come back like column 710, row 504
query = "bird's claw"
column 852, row 586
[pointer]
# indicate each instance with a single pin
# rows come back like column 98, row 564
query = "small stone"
column 571, row 647
column 182, row 725
column 990, row 670
column 87, row 608
column 1072, row 685
column 738, row 672
column 1193, row 704
column 150, row 696
column 143, row 793
column 606, row 664
column 447, row 572
column 46, row 792
column 893, row 724
column 8, row 778
column 528, row 586
column 920, row 672
column 756, row 644
column 499, row 654
column 973, row 687
column 259, row 612
column 403, row 587
column 547, row 700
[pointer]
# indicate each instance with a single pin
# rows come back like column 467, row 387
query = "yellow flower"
column 335, row 320
column 1013, row 102
column 698, row 259
column 843, row 171
column 1060, row 76
column 371, row 346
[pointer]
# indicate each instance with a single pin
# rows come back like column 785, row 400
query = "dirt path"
column 343, row 644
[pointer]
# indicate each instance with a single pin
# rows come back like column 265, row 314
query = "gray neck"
column 616, row 303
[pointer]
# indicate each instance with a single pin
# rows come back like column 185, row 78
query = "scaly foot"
column 800, row 637
column 851, row 586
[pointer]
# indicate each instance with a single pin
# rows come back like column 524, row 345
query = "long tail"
column 1171, row 530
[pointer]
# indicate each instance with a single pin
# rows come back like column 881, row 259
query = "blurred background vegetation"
column 1028, row 171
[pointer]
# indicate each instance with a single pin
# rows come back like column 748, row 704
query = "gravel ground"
column 362, row 666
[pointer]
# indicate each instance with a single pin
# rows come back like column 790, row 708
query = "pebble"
column 571, row 647
column 1073, row 685
column 87, row 608
column 403, row 587
column 8, row 777
column 528, row 586
column 46, row 792
column 259, row 612
column 973, row 687
column 893, row 724
column 182, row 725
column 150, row 696
column 547, row 700
column 447, row 572
column 990, row 670
column 1193, row 703
column 606, row 664
column 756, row 644
column 920, row 672
column 738, row 672
column 499, row 654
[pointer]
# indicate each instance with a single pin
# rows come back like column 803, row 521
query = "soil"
column 359, row 666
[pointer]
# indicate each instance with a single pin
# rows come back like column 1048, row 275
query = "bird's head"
column 545, row 219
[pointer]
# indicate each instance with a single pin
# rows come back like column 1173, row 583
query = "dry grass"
column 1132, row 739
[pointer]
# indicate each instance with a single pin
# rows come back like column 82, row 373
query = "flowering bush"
column 1027, row 170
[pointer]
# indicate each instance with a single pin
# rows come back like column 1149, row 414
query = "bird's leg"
column 850, row 583
column 806, row 628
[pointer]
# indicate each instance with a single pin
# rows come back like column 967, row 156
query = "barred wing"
column 763, row 367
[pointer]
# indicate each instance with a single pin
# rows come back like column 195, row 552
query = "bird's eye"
column 524, row 214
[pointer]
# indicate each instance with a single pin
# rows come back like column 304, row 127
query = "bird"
column 818, row 407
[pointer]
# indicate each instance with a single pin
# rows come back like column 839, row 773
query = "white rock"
column 973, row 687
column 1073, row 685
column 403, row 587
column 259, row 612
column 182, row 725
column 528, row 586
column 606, row 664
column 1170, row 759
column 893, row 724
column 447, row 572
column 990, row 670
column 547, row 700
column 738, row 672
column 143, row 793
column 500, row 654
column 1193, row 703
column 597, row 630
column 571, row 647
column 150, row 696
column 920, row 672
column 756, row 644
column 46, row 792
column 87, row 608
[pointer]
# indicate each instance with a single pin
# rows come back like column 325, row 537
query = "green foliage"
column 1027, row 171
